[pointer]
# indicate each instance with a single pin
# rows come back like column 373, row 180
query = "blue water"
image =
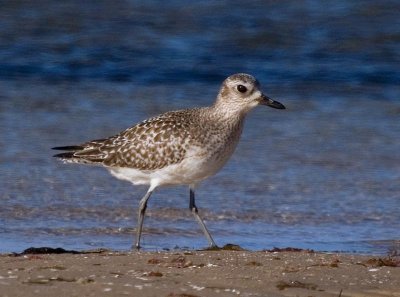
column 323, row 174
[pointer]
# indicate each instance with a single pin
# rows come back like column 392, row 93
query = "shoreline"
column 285, row 272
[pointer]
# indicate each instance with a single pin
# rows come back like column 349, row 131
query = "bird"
column 182, row 147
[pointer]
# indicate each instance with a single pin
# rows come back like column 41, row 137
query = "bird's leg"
column 194, row 210
column 142, row 210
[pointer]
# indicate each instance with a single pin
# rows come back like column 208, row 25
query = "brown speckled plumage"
column 159, row 141
column 179, row 147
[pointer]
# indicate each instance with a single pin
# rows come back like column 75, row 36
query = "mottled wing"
column 152, row 144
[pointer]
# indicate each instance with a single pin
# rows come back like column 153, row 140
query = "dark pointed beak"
column 264, row 100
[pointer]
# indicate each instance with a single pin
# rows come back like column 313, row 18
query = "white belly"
column 193, row 169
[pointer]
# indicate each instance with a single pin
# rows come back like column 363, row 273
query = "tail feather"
column 68, row 148
column 68, row 155
column 78, row 154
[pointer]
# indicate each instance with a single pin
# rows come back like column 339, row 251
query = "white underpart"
column 192, row 170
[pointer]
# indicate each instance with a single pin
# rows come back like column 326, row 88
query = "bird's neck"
column 223, row 115
column 229, row 111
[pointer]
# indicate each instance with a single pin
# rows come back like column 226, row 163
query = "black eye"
column 241, row 89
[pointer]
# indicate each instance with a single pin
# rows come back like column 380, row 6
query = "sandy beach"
column 198, row 273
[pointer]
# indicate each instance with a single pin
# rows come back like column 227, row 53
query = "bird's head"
column 242, row 92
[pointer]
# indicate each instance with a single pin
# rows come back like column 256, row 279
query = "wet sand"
column 199, row 273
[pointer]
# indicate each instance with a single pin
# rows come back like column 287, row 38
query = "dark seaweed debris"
column 46, row 250
column 289, row 249
column 226, row 247
column 49, row 250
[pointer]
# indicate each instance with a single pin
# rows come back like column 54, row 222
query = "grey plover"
column 176, row 148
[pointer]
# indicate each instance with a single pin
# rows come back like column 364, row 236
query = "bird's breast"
column 208, row 157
